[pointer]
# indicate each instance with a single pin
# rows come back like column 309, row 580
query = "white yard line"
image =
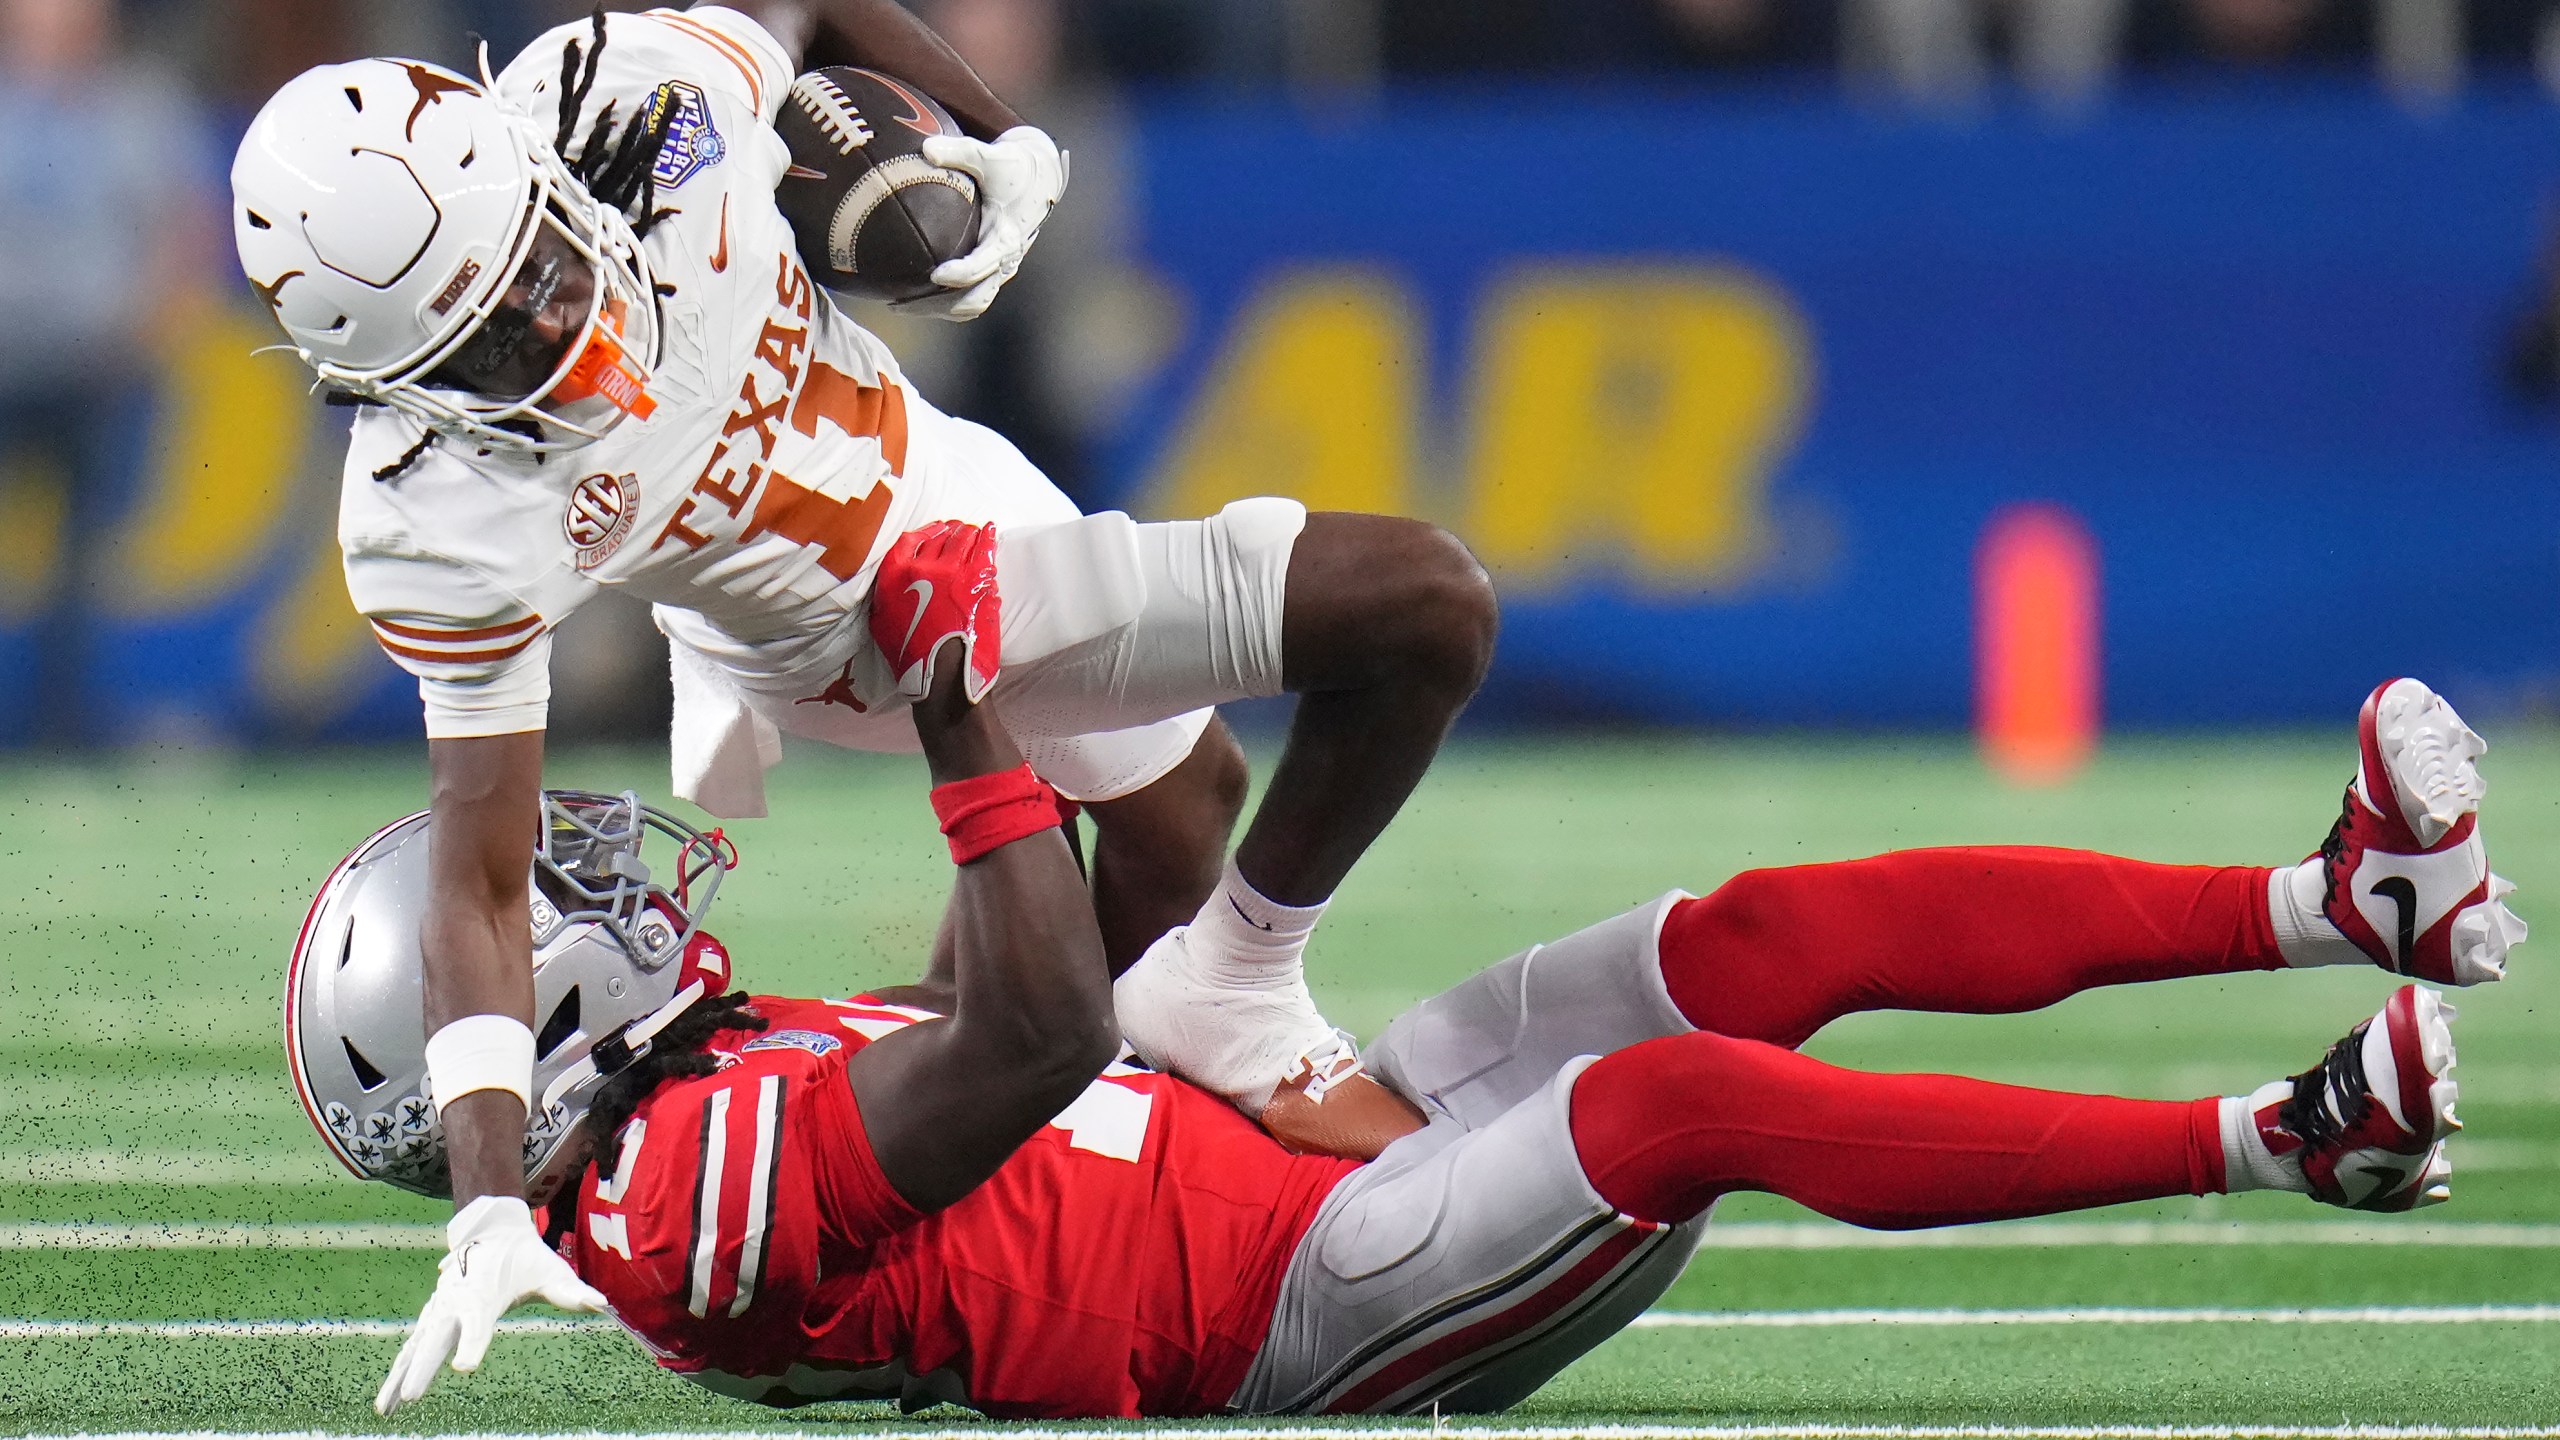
column 2102, row 1315
column 1656, row 1320
column 1742, row 1235
column 183, row 1236
column 259, row 1329
column 1412, row 1430
column 2061, row 1234
column 167, row 1168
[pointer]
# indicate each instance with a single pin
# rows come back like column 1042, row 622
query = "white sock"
column 1247, row 934
column 2303, row 933
column 2247, row 1164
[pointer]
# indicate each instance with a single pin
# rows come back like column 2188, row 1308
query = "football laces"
column 833, row 111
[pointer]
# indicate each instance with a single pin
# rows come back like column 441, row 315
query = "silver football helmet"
column 617, row 954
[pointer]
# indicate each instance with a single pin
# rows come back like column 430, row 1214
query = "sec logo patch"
column 602, row 510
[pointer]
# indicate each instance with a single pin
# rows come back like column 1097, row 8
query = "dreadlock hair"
column 621, row 173
column 678, row 1052
column 407, row 458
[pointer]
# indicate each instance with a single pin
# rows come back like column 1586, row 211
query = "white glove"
column 1019, row 177
column 495, row 1260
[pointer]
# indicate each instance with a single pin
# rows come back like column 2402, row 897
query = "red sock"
column 1665, row 1127
column 1777, row 954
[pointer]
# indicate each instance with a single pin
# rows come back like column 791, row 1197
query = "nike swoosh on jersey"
column 720, row 257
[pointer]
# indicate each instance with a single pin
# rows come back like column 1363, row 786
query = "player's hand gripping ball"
column 937, row 584
column 889, row 201
column 872, row 215
column 1021, row 174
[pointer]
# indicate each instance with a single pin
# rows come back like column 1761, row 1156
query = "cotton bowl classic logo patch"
column 809, row 1040
column 693, row 145
column 601, row 512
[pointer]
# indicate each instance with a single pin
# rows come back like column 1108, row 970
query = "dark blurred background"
column 1730, row 332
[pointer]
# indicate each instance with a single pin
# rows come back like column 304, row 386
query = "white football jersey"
column 773, row 470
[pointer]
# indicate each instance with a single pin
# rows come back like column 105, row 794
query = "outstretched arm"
column 477, row 951
column 477, row 943
column 947, row 1102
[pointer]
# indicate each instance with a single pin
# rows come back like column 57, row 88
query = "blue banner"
column 1724, row 390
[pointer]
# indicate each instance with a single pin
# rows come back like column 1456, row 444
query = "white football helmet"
column 384, row 208
column 617, row 956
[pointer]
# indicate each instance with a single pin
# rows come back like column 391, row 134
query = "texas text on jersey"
column 776, row 450
column 748, row 1238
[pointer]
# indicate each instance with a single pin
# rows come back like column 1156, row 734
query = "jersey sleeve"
column 858, row 1201
column 731, row 52
column 710, row 48
column 482, row 657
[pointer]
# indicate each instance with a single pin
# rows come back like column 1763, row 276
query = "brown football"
column 872, row 216
column 1354, row 1119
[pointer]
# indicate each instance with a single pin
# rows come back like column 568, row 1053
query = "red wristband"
column 986, row 811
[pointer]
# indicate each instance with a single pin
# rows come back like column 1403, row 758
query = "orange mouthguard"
column 605, row 369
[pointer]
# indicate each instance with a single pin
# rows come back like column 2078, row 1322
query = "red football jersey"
column 1124, row 1262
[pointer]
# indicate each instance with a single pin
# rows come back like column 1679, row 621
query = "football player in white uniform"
column 585, row 353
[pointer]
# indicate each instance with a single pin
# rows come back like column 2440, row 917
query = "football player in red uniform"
column 952, row 1191
column 584, row 354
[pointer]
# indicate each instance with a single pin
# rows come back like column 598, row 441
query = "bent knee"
column 1189, row 810
column 1384, row 599
column 1748, row 909
column 1444, row 611
column 1222, row 777
column 1735, row 961
column 1456, row 598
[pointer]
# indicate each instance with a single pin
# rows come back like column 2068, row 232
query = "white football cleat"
column 1240, row 1036
column 2365, row 1128
column 2407, row 878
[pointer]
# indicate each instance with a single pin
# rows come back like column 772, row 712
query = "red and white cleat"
column 2406, row 876
column 2365, row 1128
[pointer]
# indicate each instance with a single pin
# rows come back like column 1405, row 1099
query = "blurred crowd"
column 1942, row 48
column 240, row 49
column 121, row 116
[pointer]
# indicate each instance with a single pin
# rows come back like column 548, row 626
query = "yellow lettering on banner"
column 1631, row 416
column 312, row 651
column 1317, row 397
column 32, row 511
column 228, row 449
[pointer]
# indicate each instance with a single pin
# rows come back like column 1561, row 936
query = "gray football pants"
column 1473, row 1261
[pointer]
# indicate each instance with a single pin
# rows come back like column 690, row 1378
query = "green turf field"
column 151, row 1154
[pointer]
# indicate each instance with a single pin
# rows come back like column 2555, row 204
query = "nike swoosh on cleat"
column 2389, row 1182
column 2403, row 895
column 924, row 600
